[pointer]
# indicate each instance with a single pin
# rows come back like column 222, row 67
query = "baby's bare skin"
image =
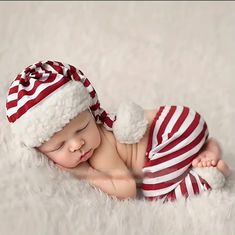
column 133, row 155
column 113, row 167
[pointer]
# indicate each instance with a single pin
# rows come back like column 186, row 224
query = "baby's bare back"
column 132, row 155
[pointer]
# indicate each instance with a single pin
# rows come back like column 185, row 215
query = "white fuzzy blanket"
column 151, row 52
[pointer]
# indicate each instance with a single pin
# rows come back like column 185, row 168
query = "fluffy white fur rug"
column 153, row 53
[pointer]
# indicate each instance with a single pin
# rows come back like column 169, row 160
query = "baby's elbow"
column 128, row 190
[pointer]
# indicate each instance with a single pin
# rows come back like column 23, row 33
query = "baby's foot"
column 223, row 167
column 209, row 156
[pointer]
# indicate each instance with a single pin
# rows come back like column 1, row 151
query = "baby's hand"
column 81, row 171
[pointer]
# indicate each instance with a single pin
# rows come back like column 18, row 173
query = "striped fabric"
column 40, row 80
column 176, row 136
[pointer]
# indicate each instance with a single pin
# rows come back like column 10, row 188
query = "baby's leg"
column 209, row 155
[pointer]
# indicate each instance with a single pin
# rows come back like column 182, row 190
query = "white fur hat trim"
column 52, row 114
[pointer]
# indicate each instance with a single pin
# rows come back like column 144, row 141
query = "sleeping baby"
column 166, row 151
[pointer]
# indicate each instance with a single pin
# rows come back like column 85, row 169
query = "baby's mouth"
column 85, row 156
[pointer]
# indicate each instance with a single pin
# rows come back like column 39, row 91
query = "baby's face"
column 75, row 143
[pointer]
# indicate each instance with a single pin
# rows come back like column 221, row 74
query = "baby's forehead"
column 83, row 116
column 74, row 123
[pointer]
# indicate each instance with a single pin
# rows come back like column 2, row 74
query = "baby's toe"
column 213, row 162
column 199, row 164
column 195, row 162
column 204, row 164
column 208, row 164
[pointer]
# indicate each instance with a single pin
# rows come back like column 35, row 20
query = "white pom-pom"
column 131, row 123
column 212, row 175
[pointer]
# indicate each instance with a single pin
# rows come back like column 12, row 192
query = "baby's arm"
column 114, row 177
column 116, row 182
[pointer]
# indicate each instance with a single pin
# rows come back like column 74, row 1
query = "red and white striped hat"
column 45, row 96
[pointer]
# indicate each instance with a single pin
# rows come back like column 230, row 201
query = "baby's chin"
column 66, row 166
column 73, row 166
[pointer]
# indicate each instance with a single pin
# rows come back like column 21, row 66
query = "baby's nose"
column 77, row 145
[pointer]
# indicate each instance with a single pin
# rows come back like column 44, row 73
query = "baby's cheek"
column 96, row 140
column 52, row 158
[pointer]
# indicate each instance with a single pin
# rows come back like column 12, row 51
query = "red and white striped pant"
column 176, row 136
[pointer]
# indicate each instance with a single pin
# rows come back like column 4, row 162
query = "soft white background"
column 153, row 53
